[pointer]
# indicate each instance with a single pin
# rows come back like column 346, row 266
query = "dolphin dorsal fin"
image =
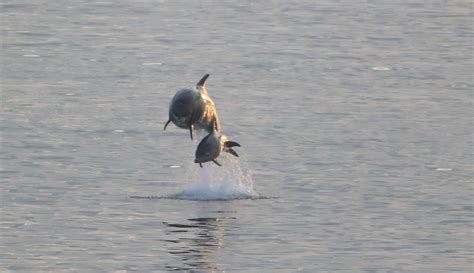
column 202, row 82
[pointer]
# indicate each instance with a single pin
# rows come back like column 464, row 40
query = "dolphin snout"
column 201, row 160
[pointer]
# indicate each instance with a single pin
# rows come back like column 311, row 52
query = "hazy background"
column 357, row 116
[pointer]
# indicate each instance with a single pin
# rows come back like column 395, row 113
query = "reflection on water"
column 183, row 197
column 195, row 242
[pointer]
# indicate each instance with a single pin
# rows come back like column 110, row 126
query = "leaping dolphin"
column 193, row 109
column 211, row 147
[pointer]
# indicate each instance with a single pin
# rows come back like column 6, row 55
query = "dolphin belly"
column 209, row 120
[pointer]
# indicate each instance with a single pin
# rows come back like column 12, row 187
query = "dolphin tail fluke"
column 217, row 124
column 232, row 152
column 168, row 122
column 202, row 82
column 230, row 144
column 228, row 147
column 213, row 126
column 217, row 163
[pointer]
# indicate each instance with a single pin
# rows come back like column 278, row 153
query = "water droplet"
column 459, row 86
column 150, row 64
column 443, row 169
column 119, row 131
column 175, row 166
column 380, row 68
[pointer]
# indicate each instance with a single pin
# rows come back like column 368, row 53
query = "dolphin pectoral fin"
column 217, row 163
column 168, row 122
column 200, row 165
column 202, row 82
column 191, row 130
column 232, row 152
column 229, row 144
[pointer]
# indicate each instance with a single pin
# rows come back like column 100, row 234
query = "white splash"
column 232, row 180
column 220, row 183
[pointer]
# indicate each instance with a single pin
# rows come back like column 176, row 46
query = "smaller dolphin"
column 211, row 147
column 193, row 109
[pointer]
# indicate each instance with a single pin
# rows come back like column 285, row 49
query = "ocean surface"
column 355, row 120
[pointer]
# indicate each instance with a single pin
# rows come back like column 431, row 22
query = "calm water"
column 355, row 121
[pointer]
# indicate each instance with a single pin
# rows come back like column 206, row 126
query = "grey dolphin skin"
column 193, row 109
column 211, row 147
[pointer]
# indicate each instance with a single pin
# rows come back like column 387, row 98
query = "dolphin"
column 211, row 147
column 193, row 109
